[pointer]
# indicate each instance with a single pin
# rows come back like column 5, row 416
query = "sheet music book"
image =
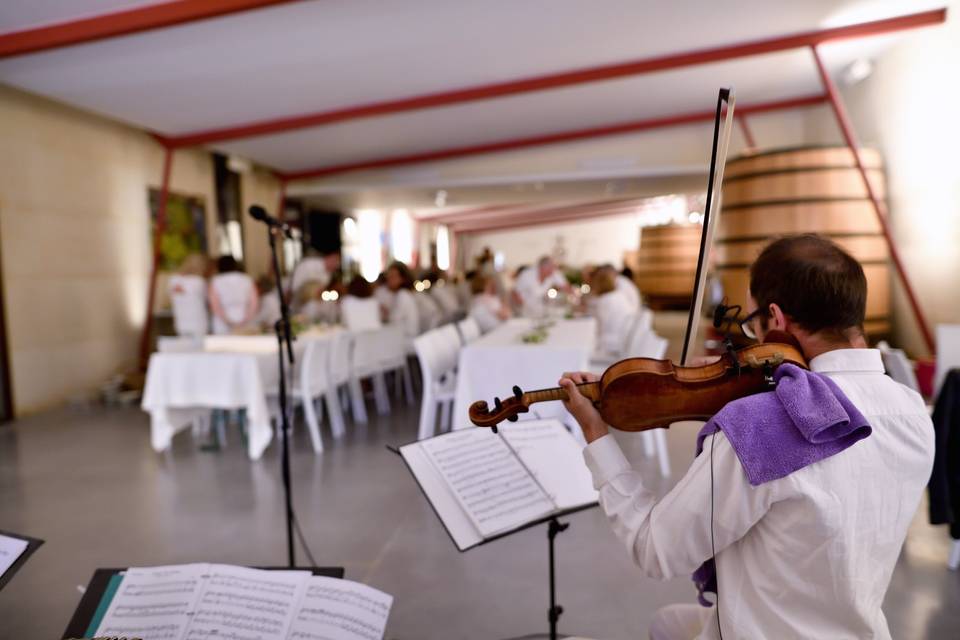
column 483, row 485
column 200, row 601
column 14, row 551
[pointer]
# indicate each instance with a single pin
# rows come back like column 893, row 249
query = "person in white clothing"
column 629, row 290
column 613, row 312
column 359, row 310
column 403, row 310
column 188, row 296
column 233, row 297
column 809, row 553
column 487, row 309
column 530, row 289
column 269, row 311
column 314, row 267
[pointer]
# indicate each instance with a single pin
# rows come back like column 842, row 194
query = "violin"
column 644, row 393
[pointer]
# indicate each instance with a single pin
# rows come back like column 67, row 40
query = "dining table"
column 187, row 378
column 528, row 353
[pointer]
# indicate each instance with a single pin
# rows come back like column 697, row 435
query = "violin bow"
column 718, row 160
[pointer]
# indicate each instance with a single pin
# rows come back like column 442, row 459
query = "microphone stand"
column 284, row 343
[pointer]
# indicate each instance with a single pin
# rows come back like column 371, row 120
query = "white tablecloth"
column 235, row 372
column 491, row 366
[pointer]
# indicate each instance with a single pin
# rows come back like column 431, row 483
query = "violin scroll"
column 508, row 409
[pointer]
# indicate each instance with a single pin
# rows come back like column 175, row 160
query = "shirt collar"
column 848, row 361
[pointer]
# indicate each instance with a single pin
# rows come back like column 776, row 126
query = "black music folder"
column 15, row 549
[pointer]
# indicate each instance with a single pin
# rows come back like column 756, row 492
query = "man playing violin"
column 807, row 552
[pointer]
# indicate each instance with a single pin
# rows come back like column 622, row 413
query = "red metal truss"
column 563, row 79
column 121, row 23
column 550, row 138
column 512, row 211
column 849, row 137
column 547, row 216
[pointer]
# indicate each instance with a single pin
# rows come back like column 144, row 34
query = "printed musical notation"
column 221, row 602
column 341, row 610
column 488, row 480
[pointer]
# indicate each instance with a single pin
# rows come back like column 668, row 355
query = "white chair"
column 429, row 311
column 898, row 366
column 313, row 382
column 394, row 347
column 341, row 375
column 469, row 330
column 367, row 363
column 437, row 351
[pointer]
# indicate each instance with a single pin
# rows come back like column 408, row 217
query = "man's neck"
column 814, row 345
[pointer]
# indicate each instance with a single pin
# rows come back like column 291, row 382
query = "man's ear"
column 778, row 320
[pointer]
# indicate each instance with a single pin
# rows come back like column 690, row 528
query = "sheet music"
column 153, row 603
column 554, row 458
column 493, row 488
column 10, row 550
column 246, row 604
column 333, row 609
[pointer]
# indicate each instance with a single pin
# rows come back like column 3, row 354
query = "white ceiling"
column 315, row 56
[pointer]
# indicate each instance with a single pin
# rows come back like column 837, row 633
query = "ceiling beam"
column 551, row 138
column 510, row 212
column 121, row 23
column 562, row 79
column 585, row 212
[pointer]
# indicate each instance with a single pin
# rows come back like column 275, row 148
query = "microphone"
column 259, row 213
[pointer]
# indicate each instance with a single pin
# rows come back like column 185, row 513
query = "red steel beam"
column 121, row 23
column 550, row 138
column 747, row 132
column 846, row 128
column 563, row 79
column 573, row 216
column 527, row 209
column 157, row 235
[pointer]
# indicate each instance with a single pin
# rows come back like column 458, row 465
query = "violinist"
column 801, row 496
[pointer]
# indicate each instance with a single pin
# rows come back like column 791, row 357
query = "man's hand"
column 581, row 407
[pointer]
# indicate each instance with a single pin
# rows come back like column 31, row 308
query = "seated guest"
column 359, row 310
column 310, row 305
column 188, row 295
column 444, row 294
column 269, row 302
column 533, row 283
column 382, row 293
column 628, row 287
column 486, row 309
column 402, row 311
column 613, row 312
column 233, row 297
column 314, row 266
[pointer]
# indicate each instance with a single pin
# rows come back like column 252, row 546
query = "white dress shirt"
column 532, row 290
column 404, row 313
column 234, row 289
column 485, row 311
column 309, row 269
column 807, row 556
column 629, row 290
column 614, row 313
column 360, row 314
column 188, row 296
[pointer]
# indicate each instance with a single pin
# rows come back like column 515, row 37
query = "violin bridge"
column 774, row 360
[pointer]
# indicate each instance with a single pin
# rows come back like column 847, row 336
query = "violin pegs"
column 495, row 429
column 517, row 392
column 512, row 418
column 497, row 404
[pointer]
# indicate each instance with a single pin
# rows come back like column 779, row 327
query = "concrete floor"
column 88, row 482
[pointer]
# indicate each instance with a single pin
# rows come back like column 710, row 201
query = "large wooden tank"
column 810, row 189
column 666, row 263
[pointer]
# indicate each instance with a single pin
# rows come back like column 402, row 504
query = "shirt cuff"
column 605, row 460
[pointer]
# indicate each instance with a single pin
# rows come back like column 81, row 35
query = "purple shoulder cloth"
column 806, row 419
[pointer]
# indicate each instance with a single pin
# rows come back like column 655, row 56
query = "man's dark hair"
column 227, row 263
column 817, row 284
column 359, row 287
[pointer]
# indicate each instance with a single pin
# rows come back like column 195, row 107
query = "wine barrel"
column 665, row 265
column 803, row 190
